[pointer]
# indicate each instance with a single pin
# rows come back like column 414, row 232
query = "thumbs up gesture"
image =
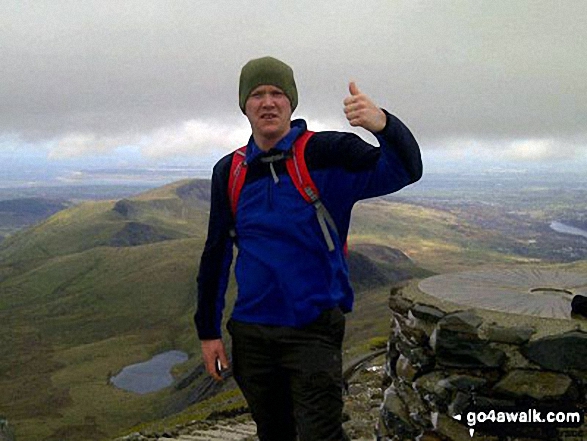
column 362, row 112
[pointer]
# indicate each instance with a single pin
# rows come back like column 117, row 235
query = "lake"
column 151, row 375
column 559, row 227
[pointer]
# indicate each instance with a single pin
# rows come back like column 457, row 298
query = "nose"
column 267, row 100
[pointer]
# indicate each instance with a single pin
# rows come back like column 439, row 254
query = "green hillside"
column 75, row 309
column 436, row 240
column 106, row 284
column 17, row 213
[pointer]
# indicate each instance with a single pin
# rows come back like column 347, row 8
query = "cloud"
column 541, row 150
column 192, row 138
column 472, row 152
column 195, row 137
column 76, row 145
column 189, row 138
column 92, row 76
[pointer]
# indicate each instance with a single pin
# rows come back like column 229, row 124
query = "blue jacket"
column 285, row 274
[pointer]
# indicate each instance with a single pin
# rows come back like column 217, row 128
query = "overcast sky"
column 497, row 81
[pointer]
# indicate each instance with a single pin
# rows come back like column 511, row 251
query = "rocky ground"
column 361, row 414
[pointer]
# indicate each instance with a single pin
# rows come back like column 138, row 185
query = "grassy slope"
column 435, row 240
column 74, row 311
column 131, row 302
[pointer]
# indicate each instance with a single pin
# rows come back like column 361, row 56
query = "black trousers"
column 292, row 378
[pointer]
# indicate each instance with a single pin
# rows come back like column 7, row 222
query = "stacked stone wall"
column 441, row 364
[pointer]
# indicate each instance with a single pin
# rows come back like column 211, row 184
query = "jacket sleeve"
column 397, row 162
column 370, row 171
column 216, row 258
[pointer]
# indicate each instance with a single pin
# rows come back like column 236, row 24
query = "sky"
column 496, row 83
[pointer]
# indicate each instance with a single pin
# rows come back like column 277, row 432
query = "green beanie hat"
column 267, row 71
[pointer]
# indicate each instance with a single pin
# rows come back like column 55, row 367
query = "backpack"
column 300, row 176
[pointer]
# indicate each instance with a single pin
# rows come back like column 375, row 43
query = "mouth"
column 268, row 116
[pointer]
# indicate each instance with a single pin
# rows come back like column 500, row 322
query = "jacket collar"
column 298, row 126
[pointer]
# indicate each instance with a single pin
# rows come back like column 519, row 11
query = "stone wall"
column 439, row 365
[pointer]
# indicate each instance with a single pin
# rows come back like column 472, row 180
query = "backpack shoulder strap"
column 236, row 178
column 300, row 176
column 298, row 171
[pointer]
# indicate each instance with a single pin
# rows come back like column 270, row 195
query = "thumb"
column 353, row 89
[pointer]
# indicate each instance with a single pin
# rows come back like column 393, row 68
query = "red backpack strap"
column 236, row 179
column 298, row 171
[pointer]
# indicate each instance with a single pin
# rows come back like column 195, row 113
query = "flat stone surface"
column 517, row 290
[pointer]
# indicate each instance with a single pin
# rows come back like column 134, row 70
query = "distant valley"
column 89, row 285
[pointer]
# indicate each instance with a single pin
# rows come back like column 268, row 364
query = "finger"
column 353, row 116
column 353, row 89
column 211, row 369
column 224, row 363
column 349, row 100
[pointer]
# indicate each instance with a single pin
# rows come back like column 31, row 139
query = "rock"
column 462, row 383
column 455, row 327
column 425, row 387
column 412, row 336
column 515, row 360
column 424, row 317
column 449, row 427
column 398, row 322
column 394, row 416
column 456, row 343
column 417, row 411
column 429, row 435
column 391, row 357
column 459, row 404
column 538, row 385
column 405, row 370
column 462, row 321
column 426, row 313
column 482, row 401
column 422, row 358
column 562, row 353
column 427, row 382
column 512, row 335
column 136, row 436
column 452, row 350
column 398, row 303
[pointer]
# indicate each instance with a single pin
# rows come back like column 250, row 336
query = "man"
column 288, row 321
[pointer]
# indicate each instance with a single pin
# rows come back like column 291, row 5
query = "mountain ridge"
column 104, row 284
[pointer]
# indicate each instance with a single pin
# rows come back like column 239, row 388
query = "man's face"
column 269, row 112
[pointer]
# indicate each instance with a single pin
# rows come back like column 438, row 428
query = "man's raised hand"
column 362, row 112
